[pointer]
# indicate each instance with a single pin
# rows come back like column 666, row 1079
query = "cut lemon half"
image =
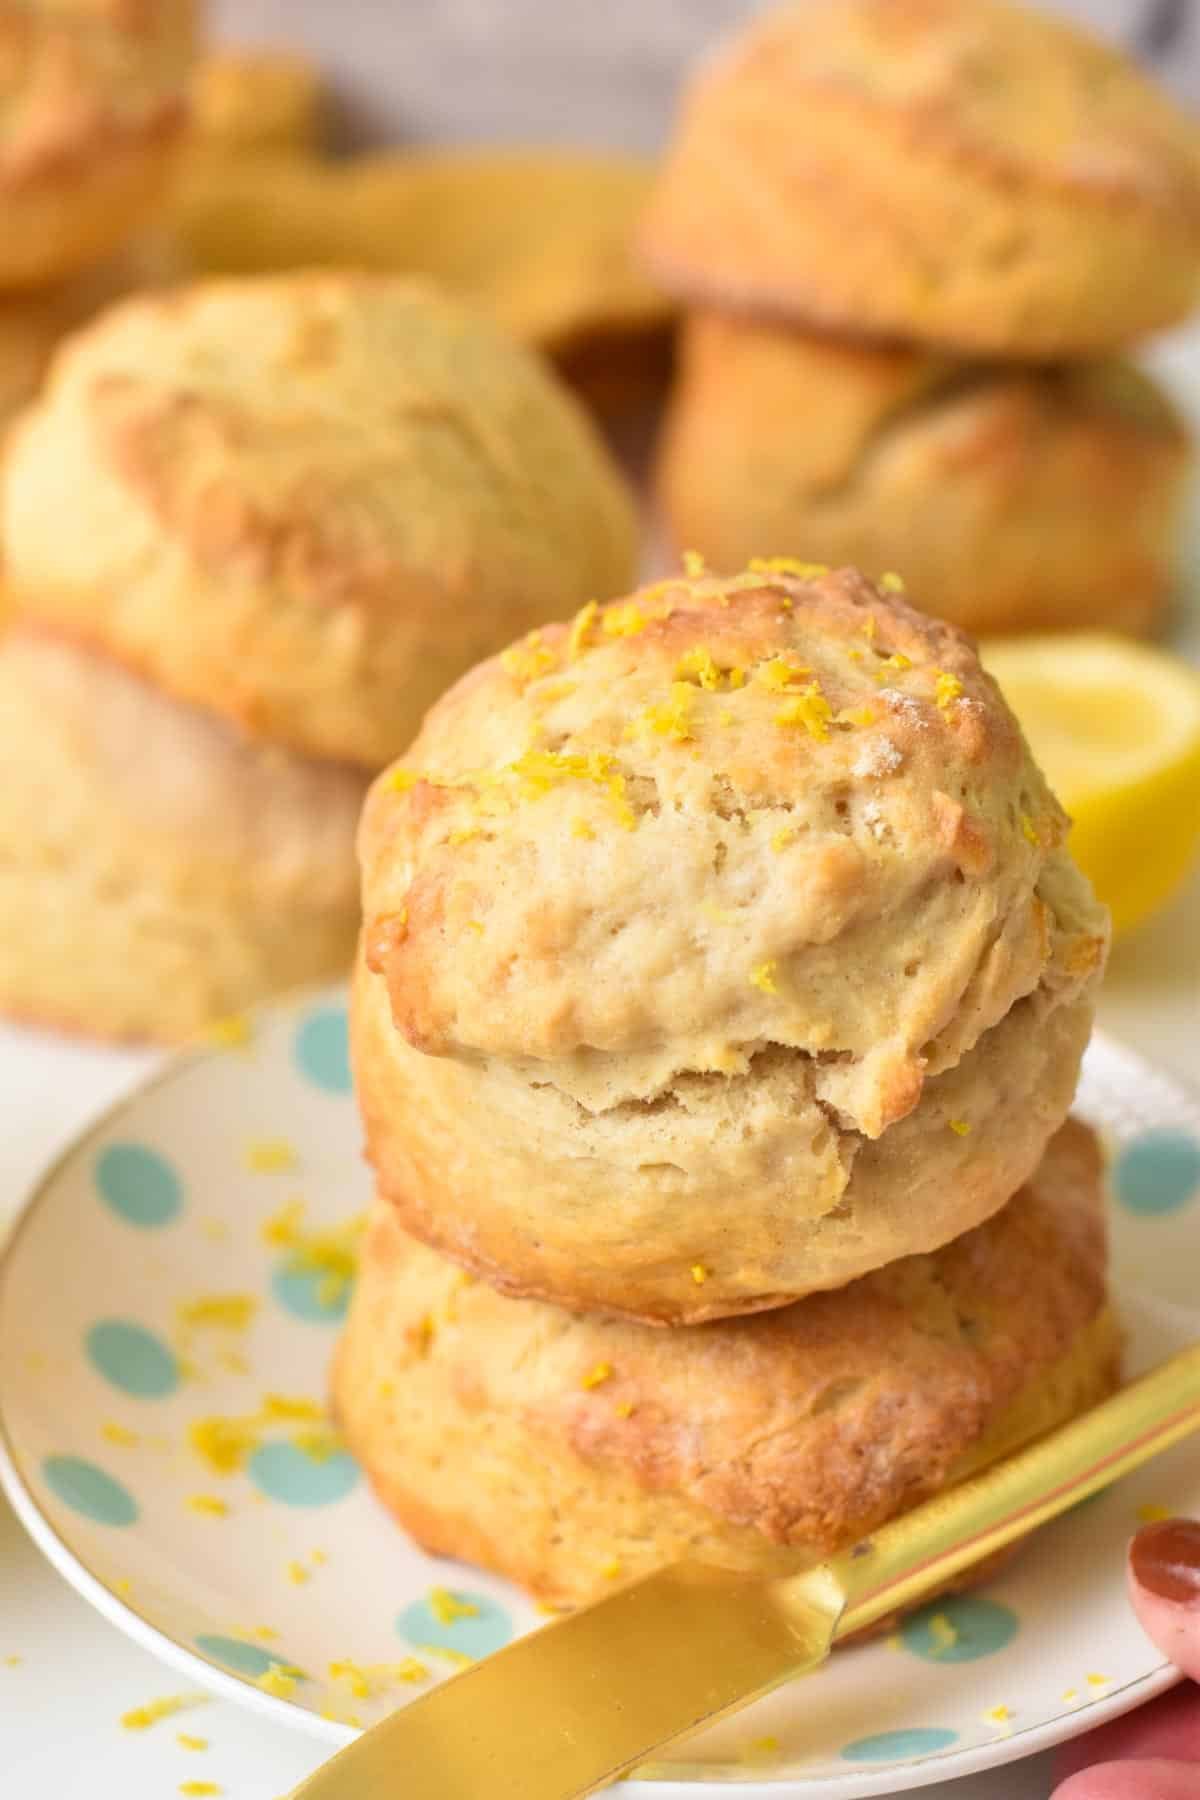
column 1116, row 729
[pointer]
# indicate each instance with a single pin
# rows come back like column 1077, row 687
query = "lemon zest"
column 627, row 618
column 762, row 976
column 581, row 625
column 778, row 673
column 220, row 1312
column 669, row 718
column 786, row 565
column 141, row 1718
column 447, row 1607
column 231, row 1033
column 810, row 709
column 946, row 690
column 597, row 1376
column 270, row 1156
column 528, row 659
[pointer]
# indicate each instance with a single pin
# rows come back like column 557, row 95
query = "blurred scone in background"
column 251, row 529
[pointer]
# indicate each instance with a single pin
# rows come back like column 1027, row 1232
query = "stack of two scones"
column 251, row 529
column 918, row 242
column 722, row 992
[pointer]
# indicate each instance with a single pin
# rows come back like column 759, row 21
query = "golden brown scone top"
column 307, row 501
column 779, row 808
column 967, row 172
column 79, row 76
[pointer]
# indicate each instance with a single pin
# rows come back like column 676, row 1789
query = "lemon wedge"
column 1116, row 728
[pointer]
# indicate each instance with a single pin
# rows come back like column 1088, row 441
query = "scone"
column 718, row 948
column 964, row 173
column 92, row 110
column 568, row 1453
column 158, row 870
column 306, row 502
column 257, row 99
column 1014, row 498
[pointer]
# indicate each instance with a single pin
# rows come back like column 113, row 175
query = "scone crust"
column 565, row 1451
column 307, row 502
column 1013, row 498
column 159, row 871
column 92, row 108
column 963, row 173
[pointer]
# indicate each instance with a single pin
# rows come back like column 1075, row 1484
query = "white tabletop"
column 61, row 1703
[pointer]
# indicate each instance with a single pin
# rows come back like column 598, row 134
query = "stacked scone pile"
column 92, row 115
column 723, row 970
column 251, row 529
column 917, row 241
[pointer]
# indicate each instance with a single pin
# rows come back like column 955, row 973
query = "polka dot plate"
column 168, row 1306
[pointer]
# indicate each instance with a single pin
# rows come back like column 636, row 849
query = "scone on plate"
column 1013, row 497
column 160, row 870
column 570, row 1453
column 250, row 529
column 718, row 947
column 307, row 502
column 93, row 106
column 964, row 173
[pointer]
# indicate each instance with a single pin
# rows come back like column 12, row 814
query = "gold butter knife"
column 580, row 1703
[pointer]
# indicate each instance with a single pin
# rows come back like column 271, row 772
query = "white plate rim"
column 674, row 1782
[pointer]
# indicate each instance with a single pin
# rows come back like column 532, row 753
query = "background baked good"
column 92, row 110
column 158, row 870
column 569, row 1453
column 962, row 173
column 257, row 99
column 717, row 948
column 1012, row 497
column 307, row 502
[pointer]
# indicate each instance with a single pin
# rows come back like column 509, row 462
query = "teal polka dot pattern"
column 323, row 1050
column 285, row 1473
column 302, row 1292
column 1158, row 1173
column 243, row 1658
column 138, row 1184
column 89, row 1491
column 959, row 1629
column 485, row 1628
column 132, row 1359
column 900, row 1746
